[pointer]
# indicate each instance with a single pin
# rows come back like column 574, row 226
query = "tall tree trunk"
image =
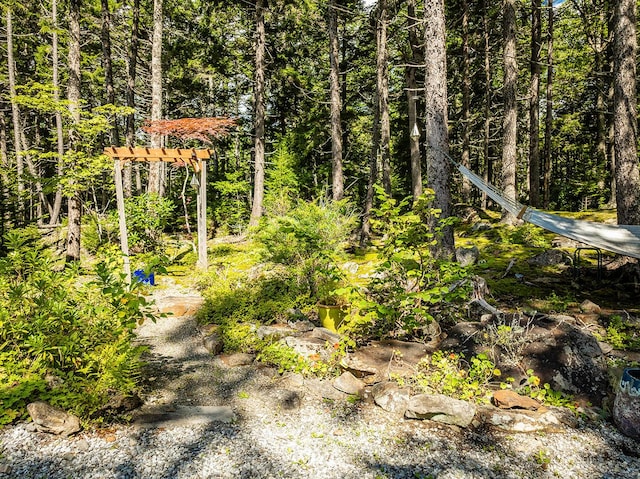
column 259, row 115
column 534, row 104
column 365, row 233
column 466, row 102
column 383, row 93
column 105, row 38
column 625, row 113
column 412, row 92
column 548, row 121
column 337, row 176
column 131, row 93
column 436, row 117
column 488, row 164
column 73, row 96
column 156, row 168
column 510, row 122
column 4, row 177
column 57, row 202
column 15, row 116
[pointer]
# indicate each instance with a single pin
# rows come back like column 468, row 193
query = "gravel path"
column 282, row 428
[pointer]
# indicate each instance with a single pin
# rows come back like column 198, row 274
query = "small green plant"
column 542, row 458
column 448, row 373
column 545, row 393
column 243, row 395
column 621, row 335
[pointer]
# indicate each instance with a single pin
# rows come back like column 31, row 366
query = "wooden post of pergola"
column 196, row 158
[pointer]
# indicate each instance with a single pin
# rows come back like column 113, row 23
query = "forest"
column 340, row 118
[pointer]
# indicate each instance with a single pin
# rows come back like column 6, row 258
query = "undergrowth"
column 63, row 339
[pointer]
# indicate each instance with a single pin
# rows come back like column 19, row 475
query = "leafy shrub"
column 410, row 284
column 309, row 238
column 448, row 373
column 54, row 325
column 147, row 217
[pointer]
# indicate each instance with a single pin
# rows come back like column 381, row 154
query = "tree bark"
column 412, row 92
column 466, row 102
column 15, row 117
column 73, row 96
column 57, row 202
column 131, row 93
column 259, row 116
column 365, row 233
column 534, row 104
column 510, row 122
column 383, row 93
column 436, row 117
column 488, row 164
column 337, row 176
column 548, row 121
column 105, row 38
column 156, row 168
column 625, row 113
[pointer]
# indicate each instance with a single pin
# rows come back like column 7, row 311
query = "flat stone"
column 439, row 408
column 52, row 420
column 275, row 331
column 179, row 416
column 524, row 421
column 377, row 361
column 509, row 399
column 213, row 343
column 309, row 347
column 237, row 359
column 179, row 305
column 588, row 306
column 391, row 397
column 349, row 384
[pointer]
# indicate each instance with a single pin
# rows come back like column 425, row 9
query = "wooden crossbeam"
column 190, row 156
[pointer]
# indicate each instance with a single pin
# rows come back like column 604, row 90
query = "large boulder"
column 47, row 418
column 439, row 408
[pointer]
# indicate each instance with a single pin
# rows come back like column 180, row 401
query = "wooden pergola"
column 202, row 129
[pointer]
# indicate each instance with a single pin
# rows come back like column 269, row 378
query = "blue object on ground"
column 143, row 278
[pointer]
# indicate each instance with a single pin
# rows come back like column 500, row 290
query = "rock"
column 309, row 346
column 467, row 256
column 237, row 359
column 465, row 329
column 377, row 361
column 179, row 305
column 275, row 331
column 549, row 258
column 119, row 403
column 626, row 409
column 5, row 469
column 351, row 267
column 326, row 335
column 544, row 419
column 391, row 397
column 590, row 307
column 439, row 408
column 481, row 227
column 302, row 325
column 348, row 383
column 213, row 343
column 323, row 389
column 53, row 420
column 509, row 399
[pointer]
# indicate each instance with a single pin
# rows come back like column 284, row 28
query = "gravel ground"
column 283, row 428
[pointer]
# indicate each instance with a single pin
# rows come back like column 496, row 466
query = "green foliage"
column 409, row 284
column 621, row 335
column 284, row 357
column 147, row 217
column 309, row 237
column 230, row 204
column 448, row 373
column 545, row 394
column 281, row 182
column 52, row 324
